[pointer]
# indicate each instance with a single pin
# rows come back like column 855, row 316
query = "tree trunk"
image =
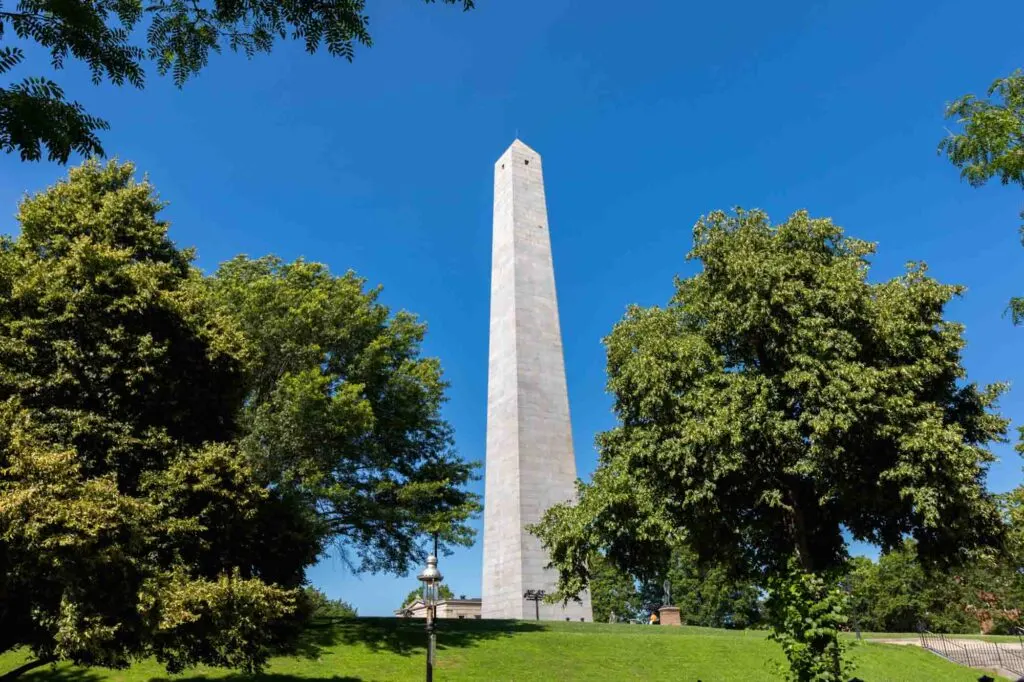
column 31, row 665
column 799, row 529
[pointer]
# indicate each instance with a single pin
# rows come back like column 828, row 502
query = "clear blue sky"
column 647, row 115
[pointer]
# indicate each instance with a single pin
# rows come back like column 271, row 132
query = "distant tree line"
column 319, row 606
column 896, row 593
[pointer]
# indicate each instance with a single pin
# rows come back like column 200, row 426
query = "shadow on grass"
column 265, row 677
column 404, row 636
column 63, row 674
column 71, row 674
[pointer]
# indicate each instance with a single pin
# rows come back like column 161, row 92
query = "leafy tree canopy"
column 779, row 398
column 342, row 411
column 129, row 524
column 175, row 450
column 115, row 38
column 991, row 142
column 1012, row 504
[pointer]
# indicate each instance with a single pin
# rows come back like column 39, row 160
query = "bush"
column 807, row 617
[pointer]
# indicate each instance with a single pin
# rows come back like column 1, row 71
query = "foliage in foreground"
column 614, row 596
column 710, row 595
column 807, row 616
column 991, row 143
column 175, row 450
column 895, row 593
column 778, row 399
column 178, row 38
column 129, row 525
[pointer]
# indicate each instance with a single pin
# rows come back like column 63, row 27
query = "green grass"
column 387, row 650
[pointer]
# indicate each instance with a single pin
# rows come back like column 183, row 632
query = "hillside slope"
column 390, row 650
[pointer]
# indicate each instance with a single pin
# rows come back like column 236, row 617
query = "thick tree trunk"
column 799, row 530
column 803, row 551
column 31, row 665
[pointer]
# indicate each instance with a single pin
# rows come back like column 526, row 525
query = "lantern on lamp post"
column 431, row 579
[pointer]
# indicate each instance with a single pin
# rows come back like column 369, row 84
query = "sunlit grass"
column 386, row 650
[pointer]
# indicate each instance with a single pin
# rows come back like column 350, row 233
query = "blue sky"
column 647, row 115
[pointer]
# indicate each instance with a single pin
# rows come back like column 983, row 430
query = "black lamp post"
column 431, row 579
column 853, row 606
column 535, row 596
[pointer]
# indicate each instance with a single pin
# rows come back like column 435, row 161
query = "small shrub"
column 807, row 617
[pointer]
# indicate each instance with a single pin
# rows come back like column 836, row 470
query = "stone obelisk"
column 530, row 464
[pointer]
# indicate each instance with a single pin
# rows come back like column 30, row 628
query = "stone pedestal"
column 669, row 615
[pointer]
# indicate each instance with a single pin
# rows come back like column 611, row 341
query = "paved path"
column 961, row 641
column 975, row 653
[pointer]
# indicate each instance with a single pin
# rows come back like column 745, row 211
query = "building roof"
column 418, row 604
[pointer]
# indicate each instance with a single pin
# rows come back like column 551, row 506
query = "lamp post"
column 853, row 606
column 431, row 578
column 535, row 596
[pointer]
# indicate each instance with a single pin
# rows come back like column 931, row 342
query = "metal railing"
column 977, row 653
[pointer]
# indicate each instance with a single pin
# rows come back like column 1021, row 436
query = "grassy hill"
column 388, row 650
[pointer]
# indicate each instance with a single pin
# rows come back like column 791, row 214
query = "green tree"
column 898, row 594
column 779, row 398
column 443, row 592
column 707, row 594
column 343, row 412
column 808, row 615
column 129, row 524
column 611, row 591
column 179, row 36
column 1012, row 505
column 320, row 606
column 991, row 143
column 711, row 595
column 891, row 595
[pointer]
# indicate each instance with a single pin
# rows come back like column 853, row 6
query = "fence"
column 977, row 653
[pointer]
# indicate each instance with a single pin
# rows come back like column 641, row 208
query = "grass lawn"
column 388, row 649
